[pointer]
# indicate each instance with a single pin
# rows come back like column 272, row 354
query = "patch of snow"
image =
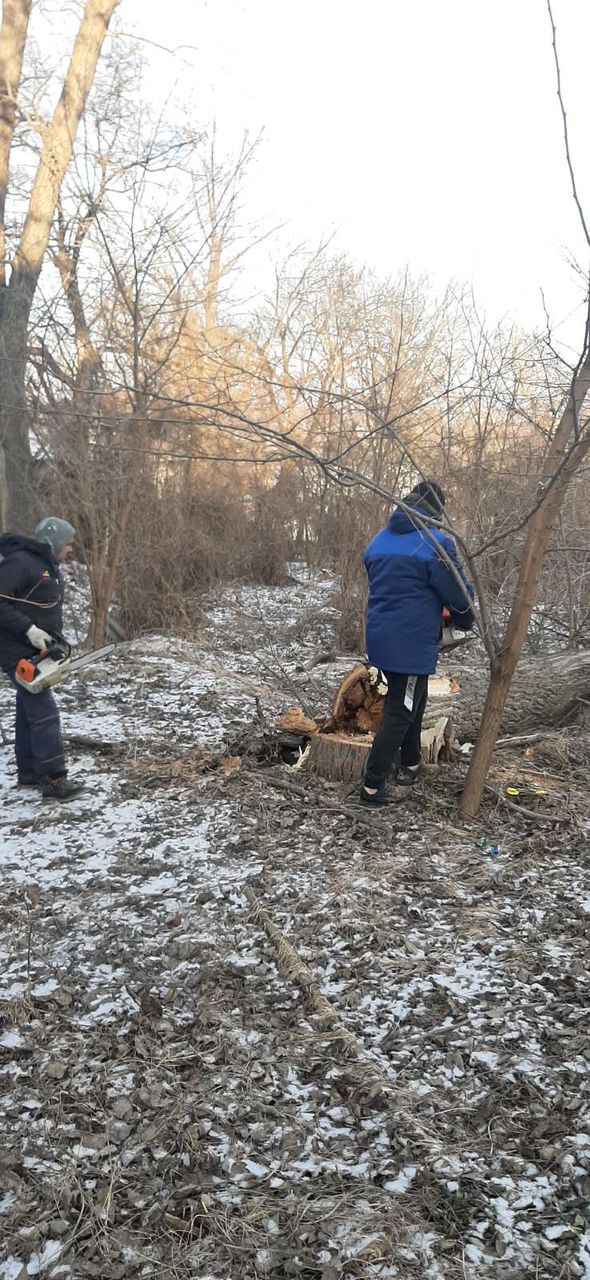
column 107, row 1011
column 405, row 1177
column 555, row 1232
column 474, row 1254
column 486, row 1058
column 45, row 988
column 156, row 887
column 258, row 1170
column 10, row 1269
column 584, row 1255
column 579, row 1139
column 13, row 992
column 240, row 960
column 40, row 1261
column 11, row 1040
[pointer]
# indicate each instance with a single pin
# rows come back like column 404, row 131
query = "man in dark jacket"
column 410, row 583
column 31, row 600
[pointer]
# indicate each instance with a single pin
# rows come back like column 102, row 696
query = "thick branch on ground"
column 368, row 1075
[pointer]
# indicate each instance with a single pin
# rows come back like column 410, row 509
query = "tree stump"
column 342, row 757
column 339, row 746
column 339, row 756
column 437, row 741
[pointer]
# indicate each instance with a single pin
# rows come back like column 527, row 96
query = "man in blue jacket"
column 410, row 583
column 31, row 600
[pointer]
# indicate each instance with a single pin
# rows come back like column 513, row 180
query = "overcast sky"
column 418, row 132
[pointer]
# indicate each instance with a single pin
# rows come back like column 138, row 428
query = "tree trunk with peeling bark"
column 17, row 293
column 564, row 456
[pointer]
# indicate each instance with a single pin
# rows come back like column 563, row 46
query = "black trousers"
column 398, row 736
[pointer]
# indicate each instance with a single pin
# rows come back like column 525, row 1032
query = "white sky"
column 424, row 133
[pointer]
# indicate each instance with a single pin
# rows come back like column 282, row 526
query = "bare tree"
column 26, row 261
column 566, row 450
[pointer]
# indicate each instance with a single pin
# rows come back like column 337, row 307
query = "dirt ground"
column 249, row 1030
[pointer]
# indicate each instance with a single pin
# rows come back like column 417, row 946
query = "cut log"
column 545, row 692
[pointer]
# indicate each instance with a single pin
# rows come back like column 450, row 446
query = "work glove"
column 38, row 638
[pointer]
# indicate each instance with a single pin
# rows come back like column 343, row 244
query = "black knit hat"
column 431, row 493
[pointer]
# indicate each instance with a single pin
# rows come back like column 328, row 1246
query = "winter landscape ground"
column 176, row 1099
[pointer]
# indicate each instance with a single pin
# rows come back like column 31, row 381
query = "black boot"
column 406, row 777
column 379, row 800
column 61, row 788
column 27, row 779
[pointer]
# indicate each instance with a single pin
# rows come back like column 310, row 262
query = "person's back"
column 409, row 584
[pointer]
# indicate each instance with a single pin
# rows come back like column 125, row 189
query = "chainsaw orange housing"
column 26, row 670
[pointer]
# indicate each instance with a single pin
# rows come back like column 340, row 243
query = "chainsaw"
column 55, row 664
column 452, row 637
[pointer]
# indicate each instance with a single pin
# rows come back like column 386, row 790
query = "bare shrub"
column 185, row 539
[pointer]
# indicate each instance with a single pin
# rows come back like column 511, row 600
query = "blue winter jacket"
column 409, row 585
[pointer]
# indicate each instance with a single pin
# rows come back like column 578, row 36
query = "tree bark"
column 339, row 757
column 565, row 454
column 13, row 37
column 88, row 357
column 545, row 692
column 17, row 295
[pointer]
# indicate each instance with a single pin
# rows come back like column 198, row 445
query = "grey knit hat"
column 54, row 531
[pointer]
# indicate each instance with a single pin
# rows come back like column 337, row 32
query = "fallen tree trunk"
column 546, row 690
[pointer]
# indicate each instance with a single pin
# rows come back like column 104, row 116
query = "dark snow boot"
column 27, row 780
column 61, row 788
column 381, row 798
column 407, row 777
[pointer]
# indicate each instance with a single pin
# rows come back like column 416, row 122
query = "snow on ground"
column 171, row 1106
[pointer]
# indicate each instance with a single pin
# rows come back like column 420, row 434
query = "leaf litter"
column 175, row 1100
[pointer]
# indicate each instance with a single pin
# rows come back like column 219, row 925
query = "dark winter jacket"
column 409, row 585
column 31, row 591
